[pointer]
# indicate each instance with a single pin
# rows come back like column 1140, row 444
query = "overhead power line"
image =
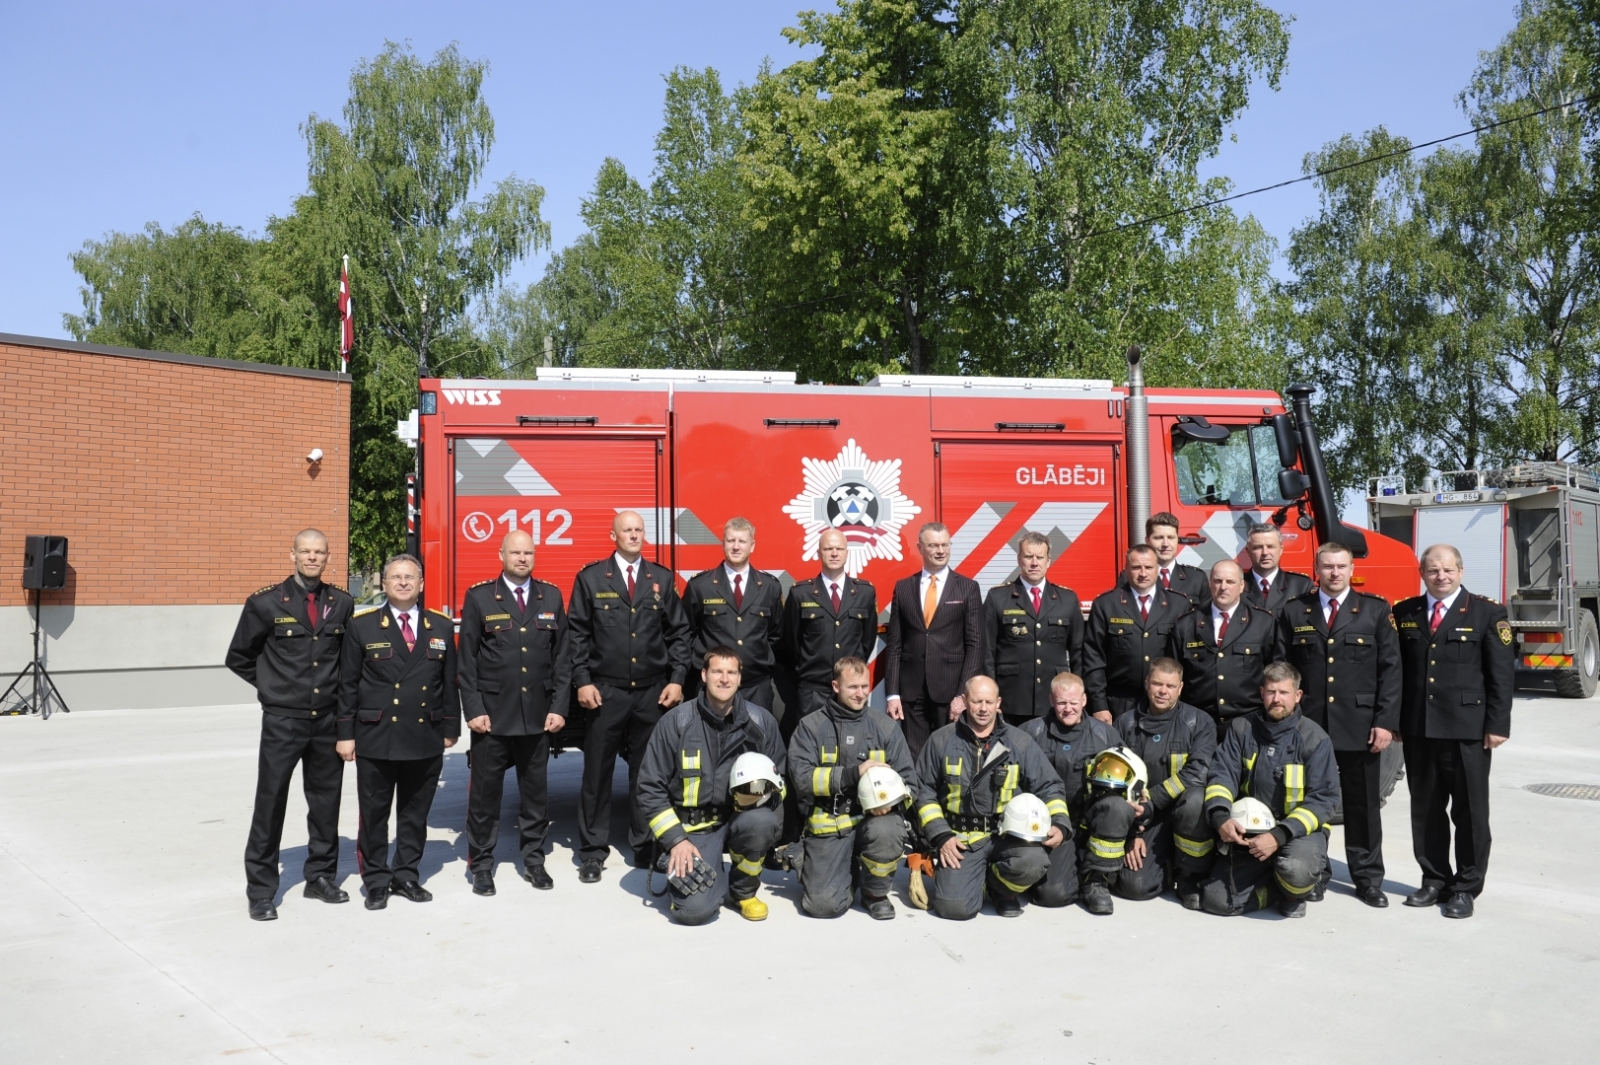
column 1146, row 220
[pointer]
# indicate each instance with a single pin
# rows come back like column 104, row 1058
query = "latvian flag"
column 347, row 323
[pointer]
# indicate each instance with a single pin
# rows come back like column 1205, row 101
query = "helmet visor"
column 1112, row 772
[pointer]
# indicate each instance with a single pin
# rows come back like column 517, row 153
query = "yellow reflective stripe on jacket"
column 970, row 838
column 1015, row 889
column 1294, row 786
column 691, row 791
column 1178, row 759
column 952, row 769
column 1008, row 787
column 929, row 813
column 1305, row 817
column 702, row 826
column 1057, row 808
column 819, row 780
column 830, row 756
column 1290, row 888
column 1249, row 767
column 1107, row 848
column 825, row 824
column 691, row 761
column 1172, row 786
column 1219, row 791
column 747, row 866
column 663, row 821
column 1194, row 848
column 877, row 756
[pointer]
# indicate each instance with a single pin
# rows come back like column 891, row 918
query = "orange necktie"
column 930, row 602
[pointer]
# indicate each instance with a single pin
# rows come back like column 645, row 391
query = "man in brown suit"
column 935, row 641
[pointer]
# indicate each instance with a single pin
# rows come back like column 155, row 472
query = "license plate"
column 1458, row 497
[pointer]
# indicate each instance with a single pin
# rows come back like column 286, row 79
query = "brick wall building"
column 180, row 482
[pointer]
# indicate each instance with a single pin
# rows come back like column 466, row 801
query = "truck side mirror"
column 1197, row 428
column 1288, row 442
column 1292, row 484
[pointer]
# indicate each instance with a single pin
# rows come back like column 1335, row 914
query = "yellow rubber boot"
column 753, row 909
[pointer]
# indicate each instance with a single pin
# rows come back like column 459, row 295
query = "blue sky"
column 119, row 114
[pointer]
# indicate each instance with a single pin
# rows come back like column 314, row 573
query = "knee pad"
column 956, row 909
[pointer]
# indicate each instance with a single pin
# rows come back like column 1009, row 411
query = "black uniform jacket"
column 1069, row 751
column 684, row 774
column 1458, row 680
column 942, row 657
column 1350, row 676
column 1225, row 681
column 813, row 637
column 1177, row 748
column 293, row 666
column 825, row 756
column 1189, row 582
column 398, row 704
column 752, row 628
column 508, row 657
column 1023, row 651
column 1119, row 646
column 1286, row 585
column 1288, row 765
column 962, row 784
column 625, row 643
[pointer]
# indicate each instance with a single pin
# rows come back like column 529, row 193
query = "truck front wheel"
column 1580, row 681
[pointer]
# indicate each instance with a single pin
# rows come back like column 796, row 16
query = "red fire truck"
column 559, row 456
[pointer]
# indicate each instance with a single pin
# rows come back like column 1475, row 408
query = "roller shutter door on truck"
column 564, row 491
column 990, row 494
column 1478, row 532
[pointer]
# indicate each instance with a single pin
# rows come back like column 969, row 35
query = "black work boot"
column 878, row 906
column 1189, row 891
column 1096, row 897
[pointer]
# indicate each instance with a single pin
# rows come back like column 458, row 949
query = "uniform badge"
column 549, row 616
column 1156, row 738
column 656, row 588
column 436, row 644
column 1271, row 751
column 1504, row 629
column 1019, row 630
column 1066, row 746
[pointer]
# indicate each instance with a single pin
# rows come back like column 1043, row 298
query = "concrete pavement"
column 123, row 935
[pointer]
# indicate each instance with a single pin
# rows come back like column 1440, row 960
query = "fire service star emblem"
column 859, row 497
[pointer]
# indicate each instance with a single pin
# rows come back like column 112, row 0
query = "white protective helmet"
column 754, row 778
column 880, row 788
column 1254, row 815
column 1026, row 817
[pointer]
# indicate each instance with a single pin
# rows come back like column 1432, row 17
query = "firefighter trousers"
column 1240, row 883
column 746, row 837
column 867, row 855
column 1179, row 841
column 1009, row 866
column 1060, row 884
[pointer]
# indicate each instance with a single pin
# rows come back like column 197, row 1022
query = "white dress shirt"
column 1217, row 614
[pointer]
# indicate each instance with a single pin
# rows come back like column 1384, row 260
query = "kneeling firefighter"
column 968, row 775
column 1279, row 757
column 849, row 763
column 711, row 780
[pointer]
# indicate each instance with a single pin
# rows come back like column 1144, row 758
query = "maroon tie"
column 1333, row 613
column 406, row 633
column 1166, row 578
column 835, row 588
column 630, row 582
column 738, row 593
column 1222, row 630
column 1036, row 601
column 311, row 608
column 1438, row 616
column 1266, row 588
column 522, row 606
column 1144, row 608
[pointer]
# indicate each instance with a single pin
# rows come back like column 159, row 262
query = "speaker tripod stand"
column 16, row 701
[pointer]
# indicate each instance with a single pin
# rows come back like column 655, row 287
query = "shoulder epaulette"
column 442, row 614
column 264, row 591
column 364, row 610
column 480, row 584
column 1485, row 598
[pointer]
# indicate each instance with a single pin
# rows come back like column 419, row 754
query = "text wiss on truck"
column 991, row 458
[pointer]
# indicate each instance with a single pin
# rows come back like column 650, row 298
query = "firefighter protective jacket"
column 962, row 783
column 825, row 756
column 1177, row 748
column 1288, row 765
column 683, row 777
column 1070, row 749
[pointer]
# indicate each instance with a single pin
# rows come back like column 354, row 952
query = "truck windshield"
column 1239, row 472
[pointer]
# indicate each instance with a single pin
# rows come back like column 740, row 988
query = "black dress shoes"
column 412, row 891
column 1426, row 895
column 483, row 883
column 263, row 910
column 589, row 872
column 377, row 898
column 325, row 889
column 538, row 878
column 1458, row 905
column 1373, row 896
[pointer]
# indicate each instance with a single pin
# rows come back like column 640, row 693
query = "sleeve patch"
column 1504, row 629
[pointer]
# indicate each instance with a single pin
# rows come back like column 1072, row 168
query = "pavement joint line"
column 131, row 949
